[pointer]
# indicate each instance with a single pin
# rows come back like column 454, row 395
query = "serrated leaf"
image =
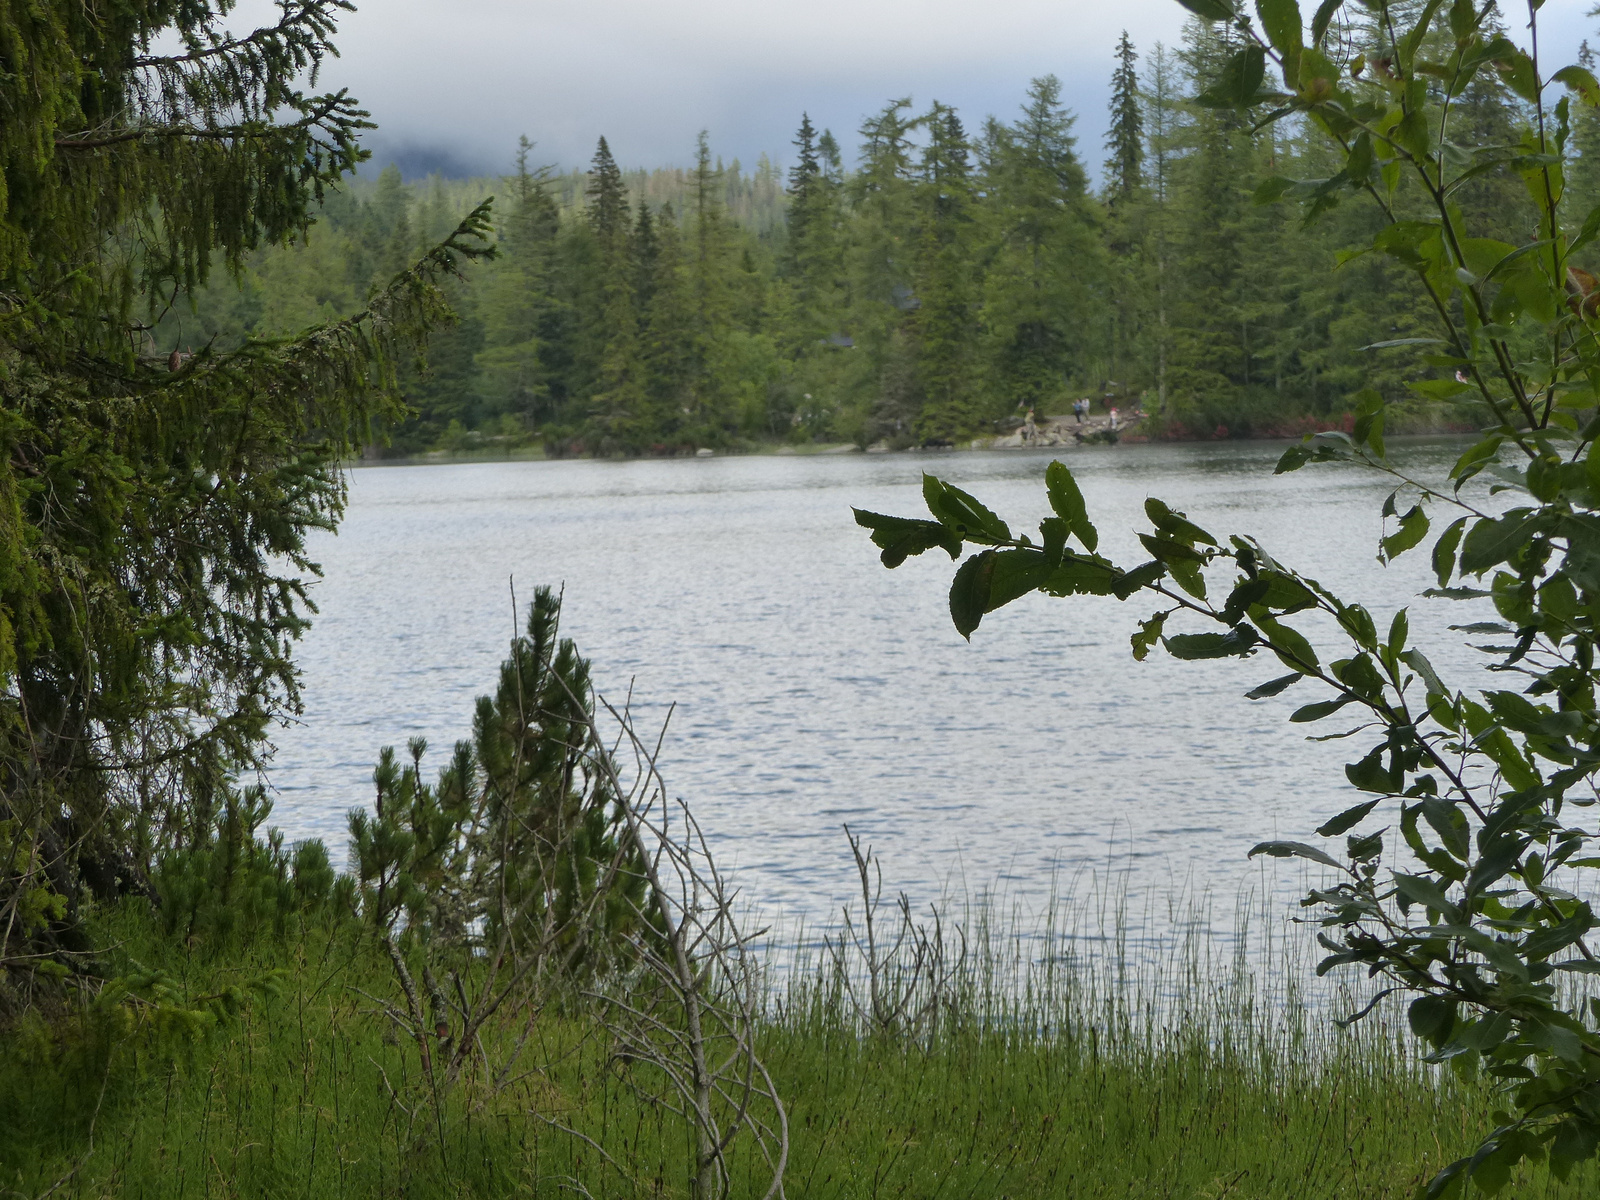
column 1413, row 528
column 1067, row 501
column 1237, row 641
column 969, row 593
column 1582, row 81
column 901, row 537
column 962, row 513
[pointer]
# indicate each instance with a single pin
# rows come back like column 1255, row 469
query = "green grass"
column 1055, row 1082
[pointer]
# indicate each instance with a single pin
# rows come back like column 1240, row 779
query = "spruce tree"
column 1041, row 307
column 518, row 300
column 154, row 503
column 711, row 267
column 880, row 271
column 1125, row 139
column 945, row 316
column 617, row 395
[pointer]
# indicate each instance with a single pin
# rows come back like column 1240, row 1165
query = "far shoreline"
column 995, row 445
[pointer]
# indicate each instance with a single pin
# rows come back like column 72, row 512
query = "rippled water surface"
column 815, row 688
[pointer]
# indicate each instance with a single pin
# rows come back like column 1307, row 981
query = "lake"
column 814, row 688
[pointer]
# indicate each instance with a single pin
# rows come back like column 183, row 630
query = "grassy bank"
column 1068, row 1086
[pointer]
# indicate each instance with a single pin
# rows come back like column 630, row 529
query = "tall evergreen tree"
column 945, row 316
column 618, row 389
column 518, row 300
column 1047, row 262
column 1125, row 138
column 154, row 504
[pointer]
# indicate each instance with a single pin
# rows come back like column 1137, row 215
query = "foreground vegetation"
column 1072, row 1088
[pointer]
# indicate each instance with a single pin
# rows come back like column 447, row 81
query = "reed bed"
column 972, row 1054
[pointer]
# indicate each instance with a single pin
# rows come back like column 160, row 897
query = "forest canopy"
column 953, row 277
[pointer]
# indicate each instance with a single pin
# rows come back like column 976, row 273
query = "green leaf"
column 1015, row 573
column 1419, row 889
column 1348, row 819
column 961, row 513
column 1169, row 551
column 1293, row 459
column 1067, row 501
column 1392, row 343
column 1075, row 577
column 1432, row 1018
column 1273, row 687
column 901, row 537
column 1582, row 81
column 1370, row 775
column 1274, row 188
column 1520, row 74
column 1491, row 541
column 1148, row 635
column 1211, row 10
column 1294, row 850
column 1589, row 231
column 1237, row 641
column 1419, row 663
column 1322, row 19
column 1239, row 82
column 969, row 592
column 1281, row 21
column 1174, row 524
column 1053, row 532
column 1291, row 646
column 1399, row 630
column 1129, row 582
column 1444, row 551
column 1450, row 823
column 1322, row 708
column 1413, row 528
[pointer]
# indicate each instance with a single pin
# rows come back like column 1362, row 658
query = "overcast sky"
column 452, row 83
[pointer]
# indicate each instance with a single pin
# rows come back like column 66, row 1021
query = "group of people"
column 1081, row 410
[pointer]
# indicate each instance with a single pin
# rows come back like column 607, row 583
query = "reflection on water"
column 814, row 688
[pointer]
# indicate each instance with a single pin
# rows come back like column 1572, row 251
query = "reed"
column 1026, row 1058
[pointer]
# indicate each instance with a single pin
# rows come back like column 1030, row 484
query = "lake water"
column 815, row 688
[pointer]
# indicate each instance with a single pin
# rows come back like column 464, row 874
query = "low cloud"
column 452, row 83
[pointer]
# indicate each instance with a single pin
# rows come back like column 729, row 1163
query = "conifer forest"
column 925, row 278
